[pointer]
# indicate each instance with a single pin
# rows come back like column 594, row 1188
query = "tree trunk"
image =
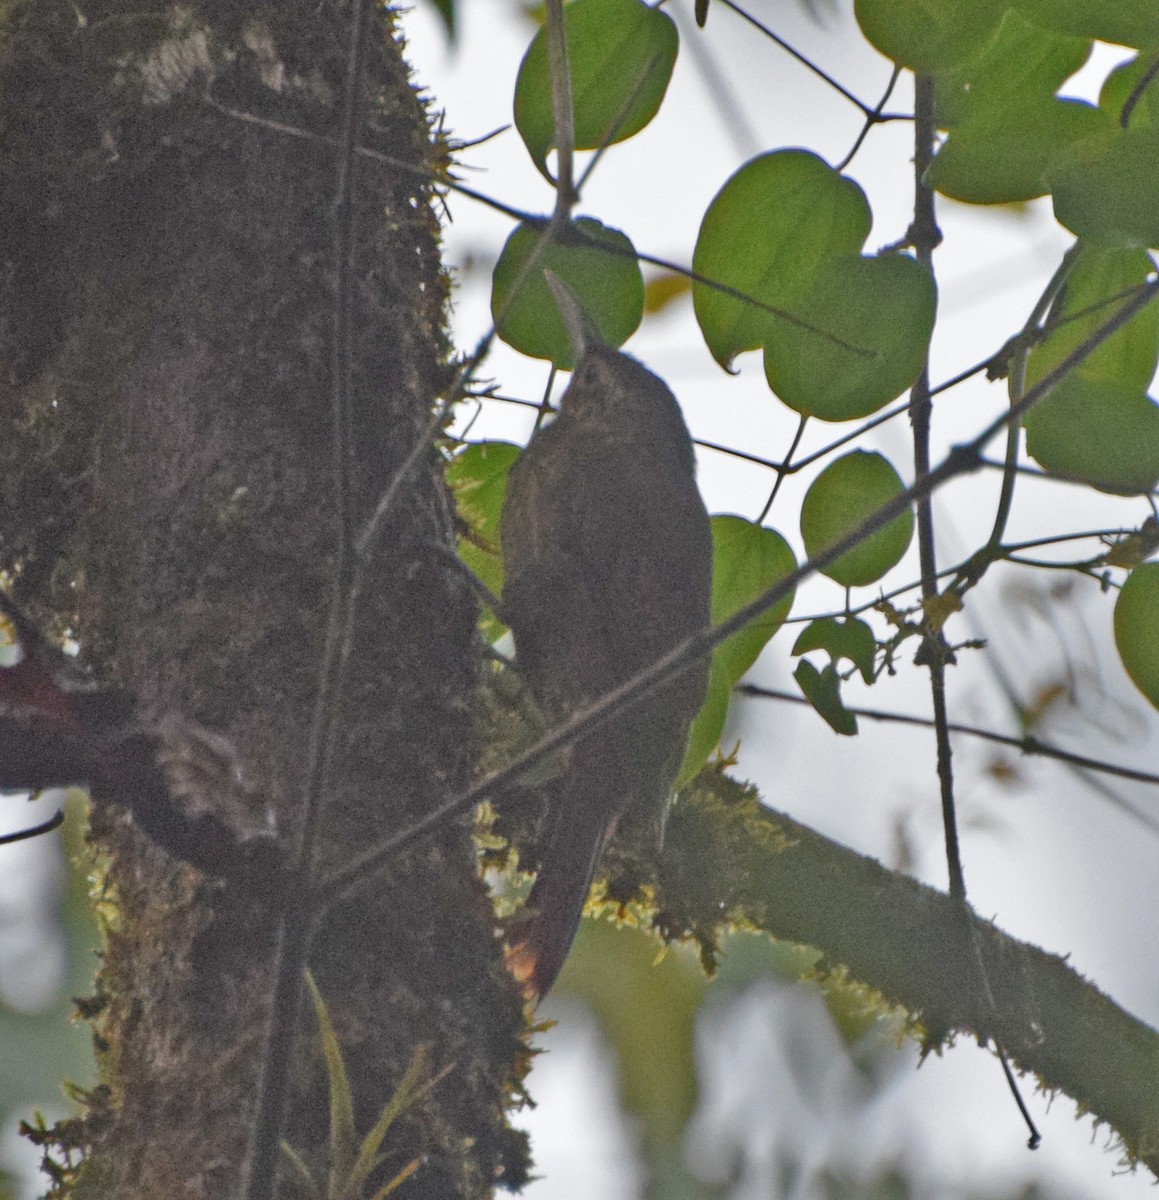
column 169, row 495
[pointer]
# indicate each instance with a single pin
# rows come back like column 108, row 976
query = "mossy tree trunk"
column 167, row 492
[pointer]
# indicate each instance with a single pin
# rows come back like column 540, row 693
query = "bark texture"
column 167, row 493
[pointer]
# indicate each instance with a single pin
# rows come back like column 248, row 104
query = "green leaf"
column 477, row 477
column 823, row 691
column 1127, row 22
column 1001, row 156
column 1093, row 292
column 305, row 1176
column 1104, row 187
column 446, row 12
column 929, row 35
column 1097, row 431
column 880, row 312
column 747, row 560
column 1023, row 63
column 1137, row 628
column 410, row 1088
column 852, row 639
column 607, row 282
column 647, row 1011
column 349, row 1164
column 840, row 499
column 621, row 54
column 1118, row 87
column 342, row 1130
column 767, row 233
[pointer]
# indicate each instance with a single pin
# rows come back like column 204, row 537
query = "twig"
column 297, row 923
column 962, row 459
column 531, row 218
column 1137, row 91
column 935, row 652
column 364, row 544
column 1028, row 745
column 788, row 467
column 1016, row 384
column 871, row 119
column 736, row 294
column 620, row 118
column 812, row 66
column 22, row 835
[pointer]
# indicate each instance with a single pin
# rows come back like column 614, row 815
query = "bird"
column 607, row 552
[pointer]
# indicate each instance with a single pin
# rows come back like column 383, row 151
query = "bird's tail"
column 541, row 939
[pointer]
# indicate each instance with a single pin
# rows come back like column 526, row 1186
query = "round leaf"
column 1129, row 24
column 1104, row 187
column 929, row 35
column 620, row 53
column 607, row 283
column 766, row 233
column 1023, row 63
column 747, row 560
column 880, row 312
column 1090, row 297
column 1137, row 628
column 840, row 499
column 1098, row 431
column 1118, row 88
column 1001, row 156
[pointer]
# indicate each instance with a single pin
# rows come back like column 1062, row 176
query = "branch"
column 873, row 115
column 727, row 857
column 1028, row 745
column 935, row 653
column 961, row 460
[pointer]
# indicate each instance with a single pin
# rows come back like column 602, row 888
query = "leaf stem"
column 935, row 652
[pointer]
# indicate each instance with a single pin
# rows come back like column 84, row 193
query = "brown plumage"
column 608, row 559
